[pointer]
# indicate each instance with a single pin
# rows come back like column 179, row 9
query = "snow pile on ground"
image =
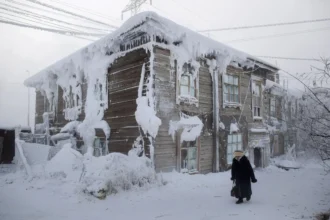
column 36, row 153
column 282, row 162
column 288, row 160
column 116, row 172
column 67, row 163
column 192, row 197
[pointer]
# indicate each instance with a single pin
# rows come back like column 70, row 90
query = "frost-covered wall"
column 99, row 65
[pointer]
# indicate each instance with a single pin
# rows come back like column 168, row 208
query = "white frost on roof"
column 191, row 41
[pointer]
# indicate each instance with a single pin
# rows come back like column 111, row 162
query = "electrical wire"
column 49, row 29
column 85, row 10
column 39, row 9
column 267, row 25
column 278, row 35
column 30, row 13
column 71, row 13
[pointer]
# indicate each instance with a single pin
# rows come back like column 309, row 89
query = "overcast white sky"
column 25, row 51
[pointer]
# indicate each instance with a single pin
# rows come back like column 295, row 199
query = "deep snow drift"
column 278, row 195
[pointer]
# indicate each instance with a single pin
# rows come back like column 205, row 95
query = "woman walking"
column 242, row 174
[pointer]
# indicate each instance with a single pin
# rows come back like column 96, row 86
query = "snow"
column 104, row 126
column 191, row 127
column 258, row 130
column 278, row 195
column 234, row 128
column 270, row 84
column 116, row 172
column 145, row 113
column 222, row 126
column 257, row 118
column 35, row 153
column 70, row 127
column 67, row 163
column 60, row 136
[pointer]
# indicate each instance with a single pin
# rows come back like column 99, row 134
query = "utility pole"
column 28, row 115
column 134, row 6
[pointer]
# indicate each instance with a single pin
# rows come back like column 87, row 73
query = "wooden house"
column 176, row 96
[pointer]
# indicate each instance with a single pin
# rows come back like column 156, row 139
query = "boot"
column 239, row 201
column 248, row 198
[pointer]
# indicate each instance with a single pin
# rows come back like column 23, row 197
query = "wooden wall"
column 242, row 115
column 123, row 83
column 167, row 149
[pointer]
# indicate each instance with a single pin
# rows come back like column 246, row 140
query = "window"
column 230, row 90
column 256, row 99
column 234, row 143
column 272, row 107
column 187, row 85
column 100, row 147
column 68, row 97
column 189, row 156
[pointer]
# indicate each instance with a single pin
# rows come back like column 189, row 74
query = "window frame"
column 230, row 87
column 186, row 148
column 272, row 106
column 187, row 71
column 229, row 155
column 256, row 81
column 189, row 86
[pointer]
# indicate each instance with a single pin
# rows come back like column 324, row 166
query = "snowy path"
column 278, row 195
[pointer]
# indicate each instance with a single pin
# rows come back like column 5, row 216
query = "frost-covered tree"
column 314, row 112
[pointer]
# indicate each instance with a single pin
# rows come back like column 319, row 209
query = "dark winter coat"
column 242, row 173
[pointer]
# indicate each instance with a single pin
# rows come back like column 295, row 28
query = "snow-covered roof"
column 152, row 25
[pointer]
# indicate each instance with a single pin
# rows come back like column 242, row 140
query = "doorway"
column 257, row 157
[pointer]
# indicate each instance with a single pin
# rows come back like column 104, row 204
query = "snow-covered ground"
column 278, row 195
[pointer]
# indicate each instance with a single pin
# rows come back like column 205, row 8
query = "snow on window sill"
column 258, row 130
column 187, row 99
column 232, row 105
column 257, row 118
column 191, row 172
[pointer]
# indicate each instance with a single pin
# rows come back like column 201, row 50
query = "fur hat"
column 238, row 153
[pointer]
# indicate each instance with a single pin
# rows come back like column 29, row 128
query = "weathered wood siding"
column 166, row 149
column 241, row 115
column 165, row 94
column 123, row 83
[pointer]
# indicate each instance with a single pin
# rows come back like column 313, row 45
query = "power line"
column 50, row 29
column 39, row 16
column 279, row 35
column 71, row 13
column 187, row 9
column 84, row 10
column 42, row 22
column 290, row 58
column 38, row 8
column 267, row 25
